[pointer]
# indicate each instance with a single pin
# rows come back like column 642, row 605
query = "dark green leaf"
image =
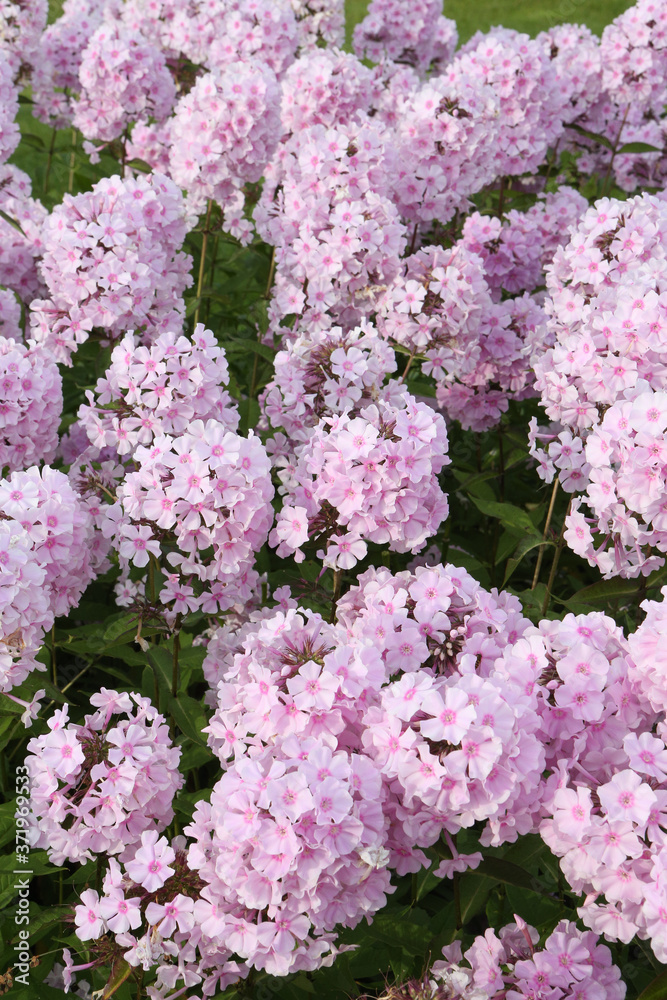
column 507, row 514
column 639, row 147
column 525, row 546
column 657, row 990
column 601, row 139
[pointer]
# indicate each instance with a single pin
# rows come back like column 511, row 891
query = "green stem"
column 216, row 243
column 407, row 367
column 554, row 564
column 174, row 664
column 72, row 163
column 457, row 901
column 202, row 259
column 501, row 458
column 540, row 554
column 338, row 576
column 272, row 267
column 54, row 672
column 615, row 147
column 49, row 159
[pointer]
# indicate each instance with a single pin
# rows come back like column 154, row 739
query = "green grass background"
column 473, row 15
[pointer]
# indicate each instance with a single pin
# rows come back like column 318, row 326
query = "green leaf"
column 263, row 350
column 605, row 591
column 189, row 717
column 474, row 892
column 121, row 971
column 507, row 543
column 41, row 991
column 501, row 870
column 523, row 548
column 602, row 139
column 657, row 990
column 12, row 222
column 123, row 625
column 508, row 515
column 638, row 147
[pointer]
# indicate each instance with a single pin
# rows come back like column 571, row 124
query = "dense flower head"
column 439, row 140
column 262, row 30
column 319, row 21
column 575, row 54
column 648, row 649
column 478, row 351
column 31, row 402
column 369, row 477
column 112, row 261
column 122, row 78
column 21, row 245
column 517, row 249
column 326, row 208
column 325, row 87
column 417, row 35
column 49, row 554
column 10, row 316
column 21, row 25
column 55, row 77
column 148, row 391
column 633, row 50
column 9, row 105
column 602, row 804
column 532, row 106
column 604, row 379
column 605, row 289
column 99, row 785
column 202, row 498
column 624, row 476
column 223, row 134
column 510, row 965
column 454, row 739
column 321, row 373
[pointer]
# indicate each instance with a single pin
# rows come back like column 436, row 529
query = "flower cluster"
column 158, row 389
column 9, row 102
column 319, row 21
column 517, row 249
column 320, row 374
column 454, row 738
column 22, row 23
column 325, row 87
column 262, row 30
column 111, row 262
column 203, row 497
column 647, row 654
column 417, row 36
column 478, row 351
column 21, row 245
column 603, row 379
column 338, row 240
column 55, row 76
column 366, row 478
column 223, row 133
column 31, row 402
column 99, row 786
column 48, row 554
column 122, row 78
column 509, row 965
column 602, row 804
